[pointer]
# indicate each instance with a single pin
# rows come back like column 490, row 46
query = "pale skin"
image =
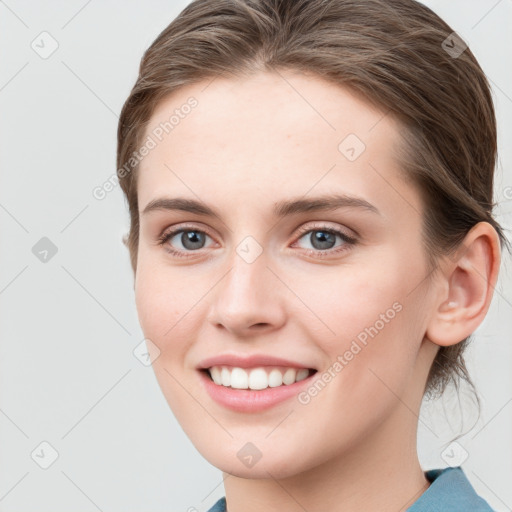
column 251, row 143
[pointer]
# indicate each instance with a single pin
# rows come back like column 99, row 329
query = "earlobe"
column 466, row 287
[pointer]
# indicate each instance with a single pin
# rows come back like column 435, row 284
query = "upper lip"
column 248, row 361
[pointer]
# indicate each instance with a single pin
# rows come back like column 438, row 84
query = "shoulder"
column 449, row 490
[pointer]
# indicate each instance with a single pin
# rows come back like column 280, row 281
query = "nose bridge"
column 245, row 284
column 247, row 294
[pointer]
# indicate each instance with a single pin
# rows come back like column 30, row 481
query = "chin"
column 243, row 460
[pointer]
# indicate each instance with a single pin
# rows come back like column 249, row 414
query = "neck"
column 382, row 474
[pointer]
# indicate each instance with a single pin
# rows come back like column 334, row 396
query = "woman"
column 312, row 239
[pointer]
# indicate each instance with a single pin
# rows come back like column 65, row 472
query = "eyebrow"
column 280, row 209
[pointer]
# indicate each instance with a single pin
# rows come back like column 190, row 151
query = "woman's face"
column 340, row 290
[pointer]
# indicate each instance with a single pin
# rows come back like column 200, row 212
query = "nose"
column 248, row 300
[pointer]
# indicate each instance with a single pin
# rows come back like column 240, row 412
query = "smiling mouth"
column 258, row 378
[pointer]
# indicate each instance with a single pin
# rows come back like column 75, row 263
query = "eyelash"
column 348, row 240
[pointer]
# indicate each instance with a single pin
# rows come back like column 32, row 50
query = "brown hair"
column 392, row 52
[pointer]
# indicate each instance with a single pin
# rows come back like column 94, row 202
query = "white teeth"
column 215, row 373
column 239, row 379
column 256, row 378
column 302, row 374
column 225, row 377
column 289, row 376
column 275, row 378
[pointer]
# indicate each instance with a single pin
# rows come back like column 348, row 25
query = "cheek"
column 165, row 302
column 346, row 300
column 369, row 325
column 167, row 305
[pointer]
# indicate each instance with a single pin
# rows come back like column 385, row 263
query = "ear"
column 467, row 281
column 124, row 239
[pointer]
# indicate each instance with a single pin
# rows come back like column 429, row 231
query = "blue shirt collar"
column 449, row 491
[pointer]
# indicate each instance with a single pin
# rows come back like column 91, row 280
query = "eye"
column 323, row 240
column 191, row 240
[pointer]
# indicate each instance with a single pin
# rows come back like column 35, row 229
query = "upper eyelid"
column 186, row 227
column 325, row 225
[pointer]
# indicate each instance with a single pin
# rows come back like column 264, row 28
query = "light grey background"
column 68, row 327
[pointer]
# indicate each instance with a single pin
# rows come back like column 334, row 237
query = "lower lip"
column 247, row 400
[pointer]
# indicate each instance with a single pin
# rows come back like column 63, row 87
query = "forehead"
column 273, row 134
